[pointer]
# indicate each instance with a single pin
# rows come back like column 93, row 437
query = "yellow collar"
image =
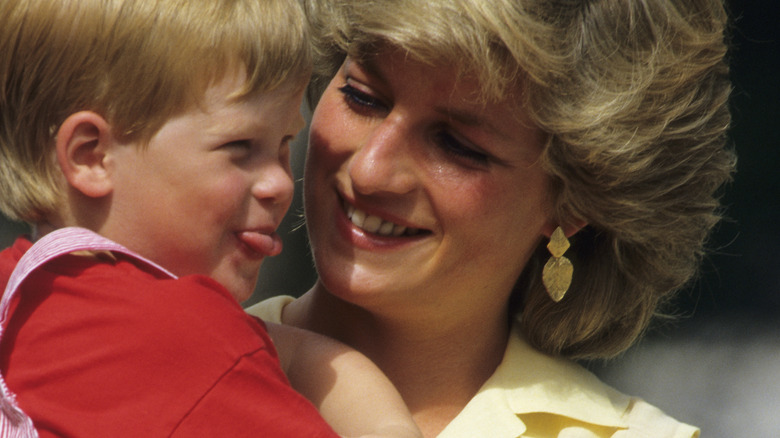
column 530, row 382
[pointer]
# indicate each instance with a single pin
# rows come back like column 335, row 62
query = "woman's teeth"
column 375, row 224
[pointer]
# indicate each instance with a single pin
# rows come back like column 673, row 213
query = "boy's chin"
column 241, row 294
column 241, row 289
column 239, row 279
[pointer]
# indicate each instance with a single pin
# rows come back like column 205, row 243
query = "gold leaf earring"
column 557, row 272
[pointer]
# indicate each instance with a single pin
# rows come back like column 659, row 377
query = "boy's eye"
column 240, row 144
column 451, row 145
column 239, row 149
column 360, row 100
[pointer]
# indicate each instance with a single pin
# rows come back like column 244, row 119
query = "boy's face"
column 211, row 187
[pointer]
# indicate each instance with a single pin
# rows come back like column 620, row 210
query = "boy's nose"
column 274, row 185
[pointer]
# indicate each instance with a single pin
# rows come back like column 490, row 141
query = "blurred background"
column 718, row 365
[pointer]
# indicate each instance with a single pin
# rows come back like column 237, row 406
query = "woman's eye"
column 361, row 100
column 455, row 147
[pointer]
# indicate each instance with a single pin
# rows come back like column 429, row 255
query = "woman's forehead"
column 484, row 86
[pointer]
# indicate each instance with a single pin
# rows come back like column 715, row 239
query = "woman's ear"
column 569, row 229
column 83, row 140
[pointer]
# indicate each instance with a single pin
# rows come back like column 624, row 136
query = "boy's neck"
column 41, row 229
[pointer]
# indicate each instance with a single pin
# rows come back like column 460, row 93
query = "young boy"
column 161, row 126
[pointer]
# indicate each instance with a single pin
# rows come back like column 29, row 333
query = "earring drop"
column 558, row 270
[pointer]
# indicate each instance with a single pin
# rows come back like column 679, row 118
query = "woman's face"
column 419, row 197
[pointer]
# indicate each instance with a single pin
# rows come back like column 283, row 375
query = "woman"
column 455, row 142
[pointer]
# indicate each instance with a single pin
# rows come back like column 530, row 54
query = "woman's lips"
column 376, row 225
column 260, row 243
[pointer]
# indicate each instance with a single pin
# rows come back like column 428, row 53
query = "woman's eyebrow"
column 369, row 65
column 470, row 118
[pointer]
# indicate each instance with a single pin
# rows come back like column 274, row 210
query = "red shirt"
column 105, row 348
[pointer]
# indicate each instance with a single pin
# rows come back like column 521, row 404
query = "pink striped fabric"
column 14, row 423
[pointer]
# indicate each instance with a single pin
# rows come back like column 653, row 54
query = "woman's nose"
column 384, row 162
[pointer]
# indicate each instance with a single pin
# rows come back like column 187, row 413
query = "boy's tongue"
column 263, row 244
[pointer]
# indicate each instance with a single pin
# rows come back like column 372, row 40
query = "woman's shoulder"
column 534, row 394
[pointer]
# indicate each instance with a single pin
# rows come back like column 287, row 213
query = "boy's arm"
column 349, row 390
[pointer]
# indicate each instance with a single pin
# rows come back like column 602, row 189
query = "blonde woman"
column 494, row 188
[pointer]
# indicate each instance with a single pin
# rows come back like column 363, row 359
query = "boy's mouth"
column 261, row 244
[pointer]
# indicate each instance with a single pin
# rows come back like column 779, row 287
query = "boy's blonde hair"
column 633, row 96
column 135, row 62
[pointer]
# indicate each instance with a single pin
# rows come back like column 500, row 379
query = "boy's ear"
column 82, row 143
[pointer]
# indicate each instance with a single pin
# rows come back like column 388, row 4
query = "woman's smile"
column 376, row 225
column 371, row 229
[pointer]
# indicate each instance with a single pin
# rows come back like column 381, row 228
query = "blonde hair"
column 135, row 62
column 633, row 96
